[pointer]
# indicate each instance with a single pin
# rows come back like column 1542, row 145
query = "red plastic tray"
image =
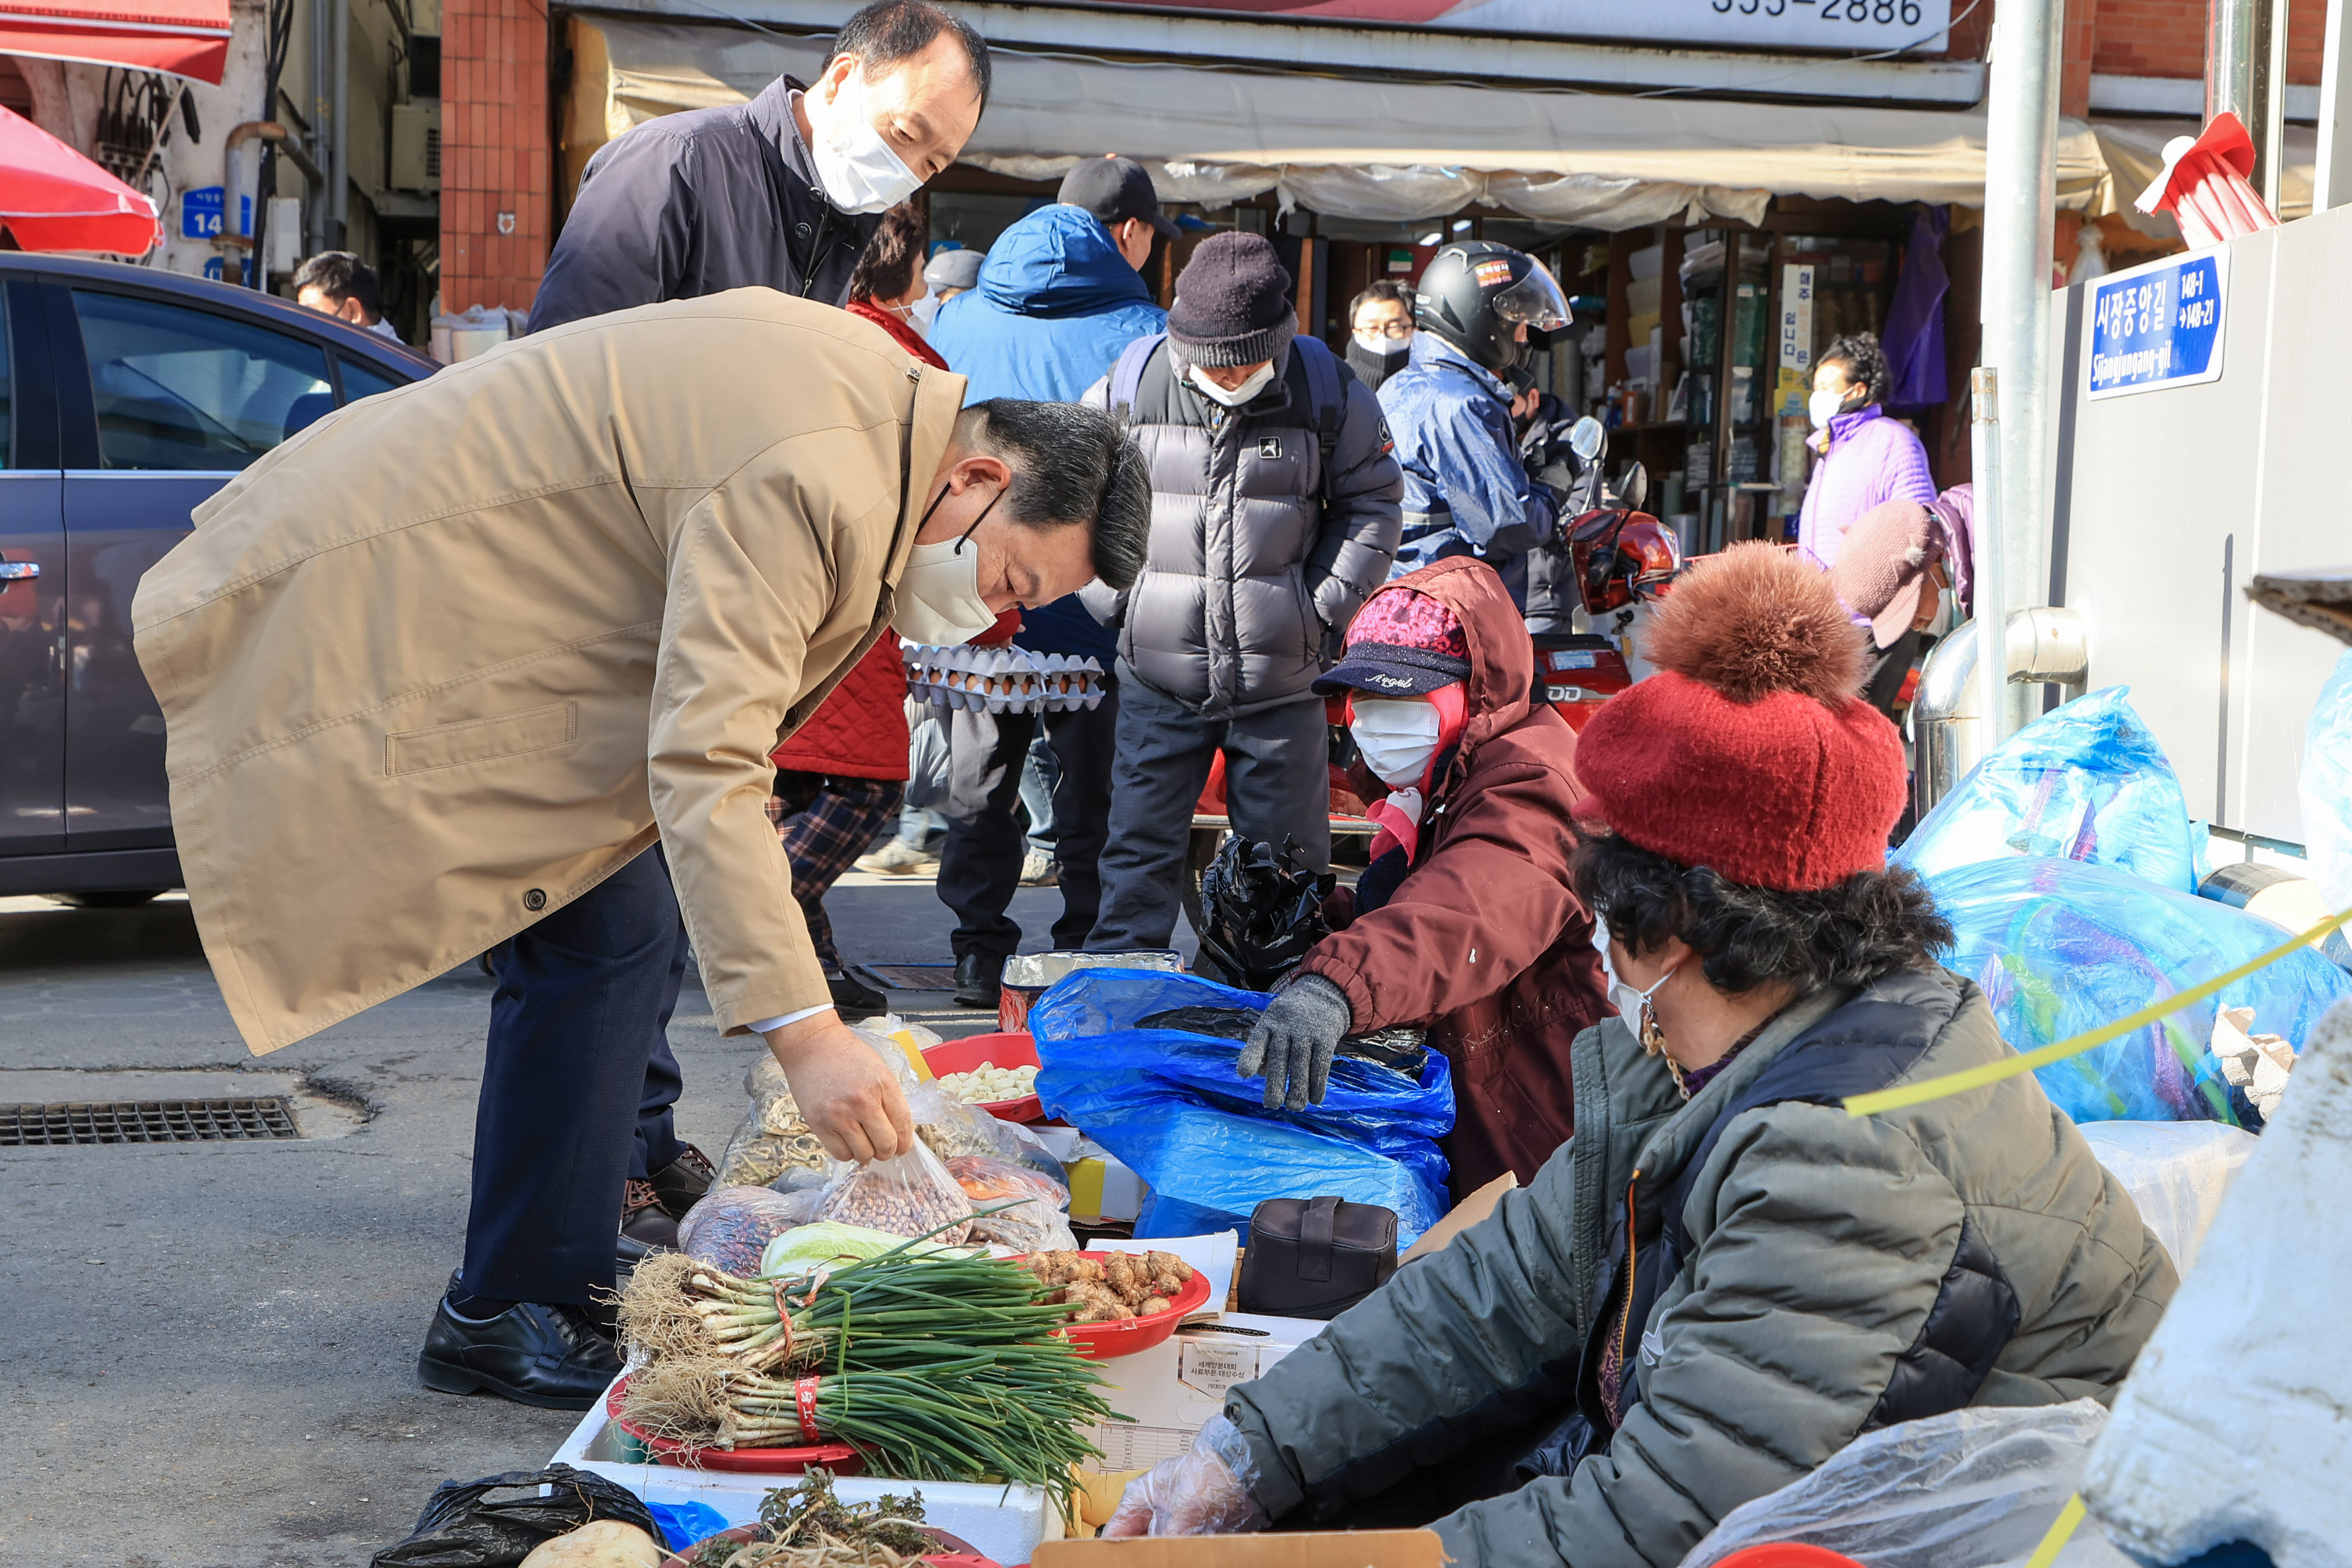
column 839, row 1457
column 1005, row 1051
column 1108, row 1342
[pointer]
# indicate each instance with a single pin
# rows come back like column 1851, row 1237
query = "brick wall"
column 496, row 157
column 2166, row 38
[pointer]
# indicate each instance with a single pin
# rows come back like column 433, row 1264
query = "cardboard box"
column 1103, row 1189
column 1461, row 1217
column 1325, row 1549
column 1172, row 1389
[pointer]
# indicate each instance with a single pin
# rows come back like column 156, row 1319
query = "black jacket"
column 697, row 203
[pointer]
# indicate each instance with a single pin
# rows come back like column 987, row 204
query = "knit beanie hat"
column 1401, row 644
column 1751, row 751
column 1882, row 565
column 1233, row 303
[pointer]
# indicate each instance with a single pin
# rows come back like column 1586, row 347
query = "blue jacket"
column 1465, row 491
column 1055, row 303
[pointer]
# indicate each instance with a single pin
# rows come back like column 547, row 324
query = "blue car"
column 127, row 397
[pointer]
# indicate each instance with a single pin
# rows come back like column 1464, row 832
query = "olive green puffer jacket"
column 1795, row 1277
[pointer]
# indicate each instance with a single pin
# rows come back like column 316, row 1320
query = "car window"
column 181, row 388
column 7, row 404
column 363, row 380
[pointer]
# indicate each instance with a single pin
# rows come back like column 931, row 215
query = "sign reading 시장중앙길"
column 2158, row 326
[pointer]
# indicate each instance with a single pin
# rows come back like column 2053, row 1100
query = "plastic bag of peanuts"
column 910, row 1196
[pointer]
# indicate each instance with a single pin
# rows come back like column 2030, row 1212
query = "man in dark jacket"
column 1058, row 297
column 1274, row 512
column 1471, row 859
column 780, row 192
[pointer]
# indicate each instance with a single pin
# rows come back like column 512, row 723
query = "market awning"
column 53, row 198
column 179, row 38
column 1380, row 151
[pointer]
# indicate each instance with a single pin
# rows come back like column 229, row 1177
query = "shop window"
column 185, row 389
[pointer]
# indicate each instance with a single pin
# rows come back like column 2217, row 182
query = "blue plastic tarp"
column 2060, row 947
column 1171, row 1106
column 2085, row 781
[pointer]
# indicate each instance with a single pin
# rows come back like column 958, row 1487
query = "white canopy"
column 1373, row 150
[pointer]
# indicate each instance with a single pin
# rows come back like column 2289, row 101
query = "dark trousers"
column 980, row 863
column 825, row 823
column 1888, row 666
column 577, row 1086
column 1277, row 787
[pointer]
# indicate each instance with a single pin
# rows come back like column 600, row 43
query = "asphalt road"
column 210, row 1348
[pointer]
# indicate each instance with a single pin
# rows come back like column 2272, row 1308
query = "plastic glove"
column 1293, row 1042
column 1204, row 1492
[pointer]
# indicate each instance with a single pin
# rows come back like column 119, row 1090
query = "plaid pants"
column 825, row 823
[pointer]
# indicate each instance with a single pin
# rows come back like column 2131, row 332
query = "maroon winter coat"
column 1485, row 943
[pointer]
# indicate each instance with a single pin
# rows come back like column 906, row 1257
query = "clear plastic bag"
column 772, row 1137
column 2326, row 787
column 2176, row 1174
column 2060, row 947
column 1013, row 1205
column 2085, row 781
column 1978, row 1488
column 910, row 1196
column 728, row 1227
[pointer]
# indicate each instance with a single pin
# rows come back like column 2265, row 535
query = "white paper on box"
column 1172, row 1389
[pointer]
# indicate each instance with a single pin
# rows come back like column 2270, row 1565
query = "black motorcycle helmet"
column 1477, row 295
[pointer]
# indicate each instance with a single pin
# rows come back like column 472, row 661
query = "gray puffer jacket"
column 1774, row 1278
column 1257, row 563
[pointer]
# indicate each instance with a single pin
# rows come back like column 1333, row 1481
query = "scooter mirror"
column 1586, row 438
column 1633, row 487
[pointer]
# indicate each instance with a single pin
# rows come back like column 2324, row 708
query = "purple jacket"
column 1871, row 459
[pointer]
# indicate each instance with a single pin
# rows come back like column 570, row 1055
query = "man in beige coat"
column 460, row 652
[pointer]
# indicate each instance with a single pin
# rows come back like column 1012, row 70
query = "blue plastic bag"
column 2060, row 947
column 686, row 1524
column 2085, row 781
column 2326, row 787
column 1171, row 1106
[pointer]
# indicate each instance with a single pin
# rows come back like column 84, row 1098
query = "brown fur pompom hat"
column 1751, row 751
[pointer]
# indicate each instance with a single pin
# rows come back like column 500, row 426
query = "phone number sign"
column 2158, row 326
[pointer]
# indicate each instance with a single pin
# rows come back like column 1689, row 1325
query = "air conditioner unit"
column 417, row 145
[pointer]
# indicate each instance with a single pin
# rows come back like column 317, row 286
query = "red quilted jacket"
column 859, row 731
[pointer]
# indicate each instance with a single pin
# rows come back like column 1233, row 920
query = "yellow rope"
column 2062, row 1531
column 1959, row 1082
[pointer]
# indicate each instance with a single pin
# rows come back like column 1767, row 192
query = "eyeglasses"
column 1400, row 330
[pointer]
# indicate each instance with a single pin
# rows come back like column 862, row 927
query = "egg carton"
column 1002, row 680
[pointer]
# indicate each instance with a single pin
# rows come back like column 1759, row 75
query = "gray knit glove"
column 1293, row 1040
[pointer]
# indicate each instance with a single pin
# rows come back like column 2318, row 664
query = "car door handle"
column 17, row 570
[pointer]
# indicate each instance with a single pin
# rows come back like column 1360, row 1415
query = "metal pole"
column 1991, row 606
column 315, row 216
column 2021, row 193
column 339, row 172
column 2331, row 184
column 2244, row 59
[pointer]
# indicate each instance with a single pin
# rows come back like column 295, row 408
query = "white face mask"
column 1257, row 382
column 938, row 600
column 1397, row 738
column 1384, row 346
column 1628, row 999
column 854, row 164
column 1823, row 406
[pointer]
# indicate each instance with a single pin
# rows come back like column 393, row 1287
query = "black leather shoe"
column 854, row 999
column 679, row 1184
column 977, row 978
column 645, row 1220
column 550, row 1357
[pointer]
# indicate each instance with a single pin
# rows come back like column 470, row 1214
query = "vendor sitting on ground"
column 1465, row 921
column 1725, row 1279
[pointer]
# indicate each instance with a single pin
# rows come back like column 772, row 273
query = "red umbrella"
column 53, row 198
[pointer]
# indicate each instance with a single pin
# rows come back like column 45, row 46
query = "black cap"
column 1115, row 189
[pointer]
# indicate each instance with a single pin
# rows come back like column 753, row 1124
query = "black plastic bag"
column 1264, row 909
column 464, row 1526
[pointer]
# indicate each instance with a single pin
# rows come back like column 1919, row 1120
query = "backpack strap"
column 1126, row 374
column 1326, row 398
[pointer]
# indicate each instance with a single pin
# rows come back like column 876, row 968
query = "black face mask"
column 1372, row 369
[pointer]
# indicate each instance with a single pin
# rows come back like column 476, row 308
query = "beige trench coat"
column 457, row 653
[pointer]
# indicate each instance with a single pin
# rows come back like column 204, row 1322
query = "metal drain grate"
column 147, row 1121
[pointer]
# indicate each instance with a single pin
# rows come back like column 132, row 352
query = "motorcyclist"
column 1480, row 308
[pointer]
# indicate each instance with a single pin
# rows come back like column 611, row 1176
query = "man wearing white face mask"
column 419, row 709
column 1274, row 511
column 782, row 192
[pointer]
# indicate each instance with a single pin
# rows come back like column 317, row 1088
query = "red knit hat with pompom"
column 1751, row 751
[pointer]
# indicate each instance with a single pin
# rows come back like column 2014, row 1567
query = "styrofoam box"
column 1172, row 1389
column 1004, row 1522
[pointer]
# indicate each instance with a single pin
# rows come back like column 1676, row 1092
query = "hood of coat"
column 1502, row 658
column 1059, row 262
